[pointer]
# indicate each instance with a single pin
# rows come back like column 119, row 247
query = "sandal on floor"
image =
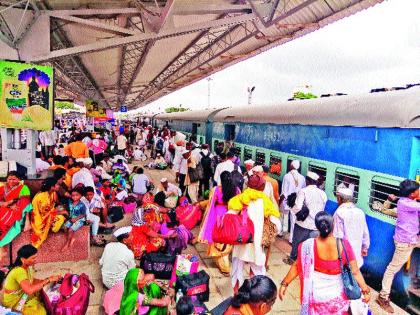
column 97, row 243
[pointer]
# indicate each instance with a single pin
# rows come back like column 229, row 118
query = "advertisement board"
column 94, row 110
column 26, row 96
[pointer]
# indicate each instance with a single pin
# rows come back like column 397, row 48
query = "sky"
column 377, row 47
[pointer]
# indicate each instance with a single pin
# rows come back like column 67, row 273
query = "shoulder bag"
column 351, row 288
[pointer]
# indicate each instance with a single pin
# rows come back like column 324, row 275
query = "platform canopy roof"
column 134, row 52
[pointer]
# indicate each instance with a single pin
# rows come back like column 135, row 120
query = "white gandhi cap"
column 312, row 175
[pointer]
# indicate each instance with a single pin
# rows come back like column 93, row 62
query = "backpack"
column 67, row 300
column 159, row 145
column 237, row 178
column 206, row 163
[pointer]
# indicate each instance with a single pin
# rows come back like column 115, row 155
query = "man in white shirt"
column 83, row 176
column 47, row 139
column 121, row 144
column 226, row 165
column 181, row 168
column 350, row 224
column 140, row 183
column 314, row 199
column 293, row 182
column 117, row 259
column 40, row 164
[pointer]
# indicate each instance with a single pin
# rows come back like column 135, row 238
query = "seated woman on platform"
column 21, row 289
column 256, row 296
column 142, row 295
column 45, row 216
column 145, row 237
column 15, row 205
column 160, row 162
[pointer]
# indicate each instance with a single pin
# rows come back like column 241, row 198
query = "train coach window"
column 290, row 160
column 194, row 128
column 260, row 158
column 379, row 191
column 321, row 171
column 344, row 179
column 230, row 132
column 275, row 164
column 247, row 153
column 237, row 151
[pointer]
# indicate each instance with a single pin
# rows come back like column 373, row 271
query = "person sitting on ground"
column 40, row 164
column 84, row 175
column 63, row 192
column 15, row 206
column 95, row 210
column 77, row 216
column 160, row 162
column 120, row 167
column 318, row 267
column 21, row 289
column 45, row 216
column 142, row 295
column 107, row 192
column 57, row 163
column 171, row 191
column 117, row 259
column 256, row 296
column 146, row 239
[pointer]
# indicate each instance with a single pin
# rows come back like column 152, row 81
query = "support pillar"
column 11, row 149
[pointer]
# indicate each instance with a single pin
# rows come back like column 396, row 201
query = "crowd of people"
column 92, row 184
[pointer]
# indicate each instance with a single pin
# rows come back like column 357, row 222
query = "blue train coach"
column 370, row 142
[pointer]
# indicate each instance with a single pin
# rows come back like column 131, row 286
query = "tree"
column 64, row 105
column 303, row 96
column 176, row 109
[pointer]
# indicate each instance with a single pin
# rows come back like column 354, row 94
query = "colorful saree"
column 321, row 294
column 134, row 302
column 44, row 217
column 12, row 218
column 215, row 210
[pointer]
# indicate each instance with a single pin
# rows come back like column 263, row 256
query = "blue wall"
column 385, row 150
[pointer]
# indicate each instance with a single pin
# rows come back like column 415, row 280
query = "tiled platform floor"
column 220, row 287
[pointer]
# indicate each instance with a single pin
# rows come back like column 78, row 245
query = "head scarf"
column 131, row 292
column 256, row 182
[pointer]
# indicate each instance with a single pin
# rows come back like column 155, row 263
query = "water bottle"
column 179, row 295
column 21, row 303
column 418, row 176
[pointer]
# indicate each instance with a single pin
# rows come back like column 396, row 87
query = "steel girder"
column 206, row 48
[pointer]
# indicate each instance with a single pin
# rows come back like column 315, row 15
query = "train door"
column 194, row 129
column 209, row 133
column 229, row 132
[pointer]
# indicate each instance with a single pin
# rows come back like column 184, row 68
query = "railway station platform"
column 220, row 287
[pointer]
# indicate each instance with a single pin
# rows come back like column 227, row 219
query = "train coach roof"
column 388, row 109
column 194, row 115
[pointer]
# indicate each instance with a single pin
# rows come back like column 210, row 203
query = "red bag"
column 235, row 229
column 188, row 215
column 71, row 303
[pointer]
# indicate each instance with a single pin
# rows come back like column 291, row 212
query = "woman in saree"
column 45, row 216
column 318, row 268
column 142, row 295
column 21, row 289
column 15, row 205
column 216, row 208
column 146, row 239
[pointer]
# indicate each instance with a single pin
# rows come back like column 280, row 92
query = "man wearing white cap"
column 315, row 200
column 181, row 168
column 293, row 182
column 83, row 176
column 350, row 224
column 117, row 259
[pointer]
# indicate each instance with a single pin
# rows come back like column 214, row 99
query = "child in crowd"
column 77, row 216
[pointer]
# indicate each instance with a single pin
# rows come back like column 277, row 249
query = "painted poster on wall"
column 26, row 96
column 93, row 109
